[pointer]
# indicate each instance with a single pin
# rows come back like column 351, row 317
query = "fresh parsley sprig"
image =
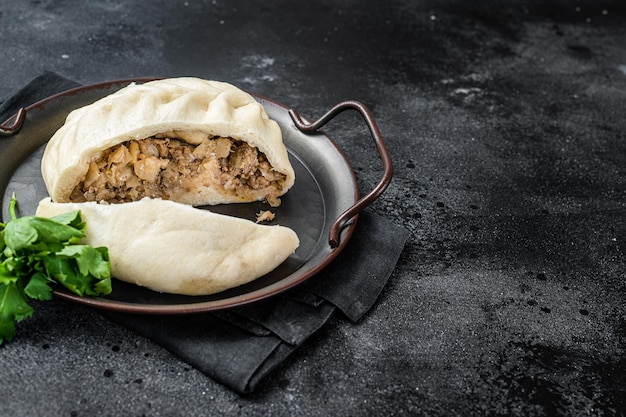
column 37, row 251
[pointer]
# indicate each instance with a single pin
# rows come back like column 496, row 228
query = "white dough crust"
column 175, row 248
column 140, row 111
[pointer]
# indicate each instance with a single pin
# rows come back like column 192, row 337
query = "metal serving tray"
column 322, row 207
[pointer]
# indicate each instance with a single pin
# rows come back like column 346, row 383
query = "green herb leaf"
column 38, row 287
column 32, row 233
column 13, row 308
column 71, row 218
column 36, row 251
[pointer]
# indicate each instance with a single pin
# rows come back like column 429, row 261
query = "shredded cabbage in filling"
column 164, row 165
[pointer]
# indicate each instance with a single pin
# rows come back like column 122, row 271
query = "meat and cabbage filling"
column 163, row 166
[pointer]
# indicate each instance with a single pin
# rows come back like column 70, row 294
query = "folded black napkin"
column 44, row 86
column 240, row 346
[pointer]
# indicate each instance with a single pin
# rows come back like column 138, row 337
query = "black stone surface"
column 505, row 120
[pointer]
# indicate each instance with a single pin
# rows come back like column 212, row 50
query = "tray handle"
column 366, row 114
column 13, row 124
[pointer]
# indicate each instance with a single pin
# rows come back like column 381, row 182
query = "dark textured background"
column 505, row 120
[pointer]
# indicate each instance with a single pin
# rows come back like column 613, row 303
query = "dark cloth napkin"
column 44, row 86
column 238, row 347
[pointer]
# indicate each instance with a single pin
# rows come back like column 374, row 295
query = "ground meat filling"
column 161, row 166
